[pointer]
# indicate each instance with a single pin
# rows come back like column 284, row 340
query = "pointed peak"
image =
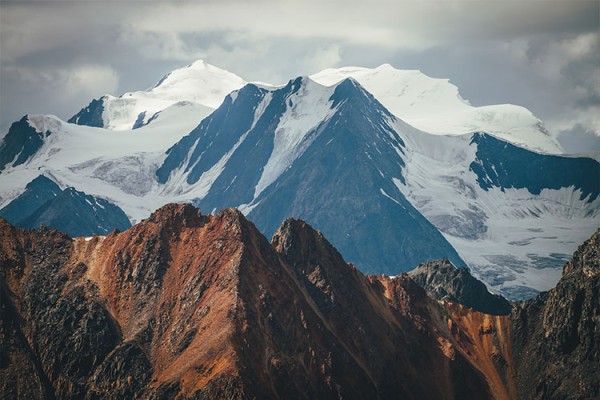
column 42, row 181
column 443, row 281
column 180, row 215
column 385, row 66
column 200, row 63
column 300, row 243
column 231, row 214
column 586, row 259
column 294, row 227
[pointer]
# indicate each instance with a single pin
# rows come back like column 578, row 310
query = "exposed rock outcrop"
column 556, row 335
column 443, row 281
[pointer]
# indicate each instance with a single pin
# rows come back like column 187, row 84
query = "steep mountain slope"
column 70, row 211
column 37, row 193
column 504, row 208
column 435, row 106
column 191, row 306
column 200, row 83
column 442, row 281
column 559, row 331
column 326, row 155
column 184, row 305
column 20, row 143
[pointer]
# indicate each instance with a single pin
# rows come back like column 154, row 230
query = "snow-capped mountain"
column 117, row 165
column 325, row 154
column 68, row 210
column 435, row 106
column 511, row 213
column 387, row 194
column 514, row 215
column 199, row 83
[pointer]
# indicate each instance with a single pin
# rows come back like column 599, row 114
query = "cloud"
column 579, row 139
column 543, row 55
column 87, row 80
column 60, row 91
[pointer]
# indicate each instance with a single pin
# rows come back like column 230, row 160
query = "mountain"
column 270, row 150
column 325, row 155
column 200, row 83
column 188, row 305
column 20, row 143
column 337, row 158
column 435, row 106
column 442, row 281
column 193, row 306
column 504, row 208
column 37, row 193
column 116, row 165
column 558, row 331
column 70, row 211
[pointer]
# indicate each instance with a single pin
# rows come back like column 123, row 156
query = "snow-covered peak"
column 199, row 83
column 307, row 106
column 435, row 106
column 408, row 91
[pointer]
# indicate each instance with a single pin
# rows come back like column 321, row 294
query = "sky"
column 55, row 56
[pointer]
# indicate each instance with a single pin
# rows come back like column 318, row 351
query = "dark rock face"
column 443, row 281
column 90, row 115
column 37, row 193
column 557, row 334
column 71, row 211
column 530, row 170
column 21, row 142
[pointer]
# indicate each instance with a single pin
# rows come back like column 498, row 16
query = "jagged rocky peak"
column 178, row 215
column 299, row 241
column 21, row 142
column 556, row 335
column 209, row 313
column 443, row 281
column 586, row 259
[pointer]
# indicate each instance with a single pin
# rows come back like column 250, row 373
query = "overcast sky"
column 55, row 56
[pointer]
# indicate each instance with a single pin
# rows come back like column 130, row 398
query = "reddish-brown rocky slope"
column 190, row 306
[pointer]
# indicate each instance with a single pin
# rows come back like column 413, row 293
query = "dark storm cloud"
column 56, row 56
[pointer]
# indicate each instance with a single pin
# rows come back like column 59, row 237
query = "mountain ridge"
column 450, row 180
column 200, row 306
column 435, row 106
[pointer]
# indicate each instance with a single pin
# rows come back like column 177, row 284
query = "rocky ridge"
column 442, row 281
column 185, row 305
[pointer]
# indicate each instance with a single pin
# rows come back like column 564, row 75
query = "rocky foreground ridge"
column 185, row 305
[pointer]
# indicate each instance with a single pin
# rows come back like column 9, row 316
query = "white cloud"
column 323, row 57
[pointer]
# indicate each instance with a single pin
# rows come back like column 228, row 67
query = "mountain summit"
column 435, row 106
column 200, row 83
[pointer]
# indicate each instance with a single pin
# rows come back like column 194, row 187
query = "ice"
column 199, row 83
column 296, row 130
column 510, row 238
column 435, row 106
